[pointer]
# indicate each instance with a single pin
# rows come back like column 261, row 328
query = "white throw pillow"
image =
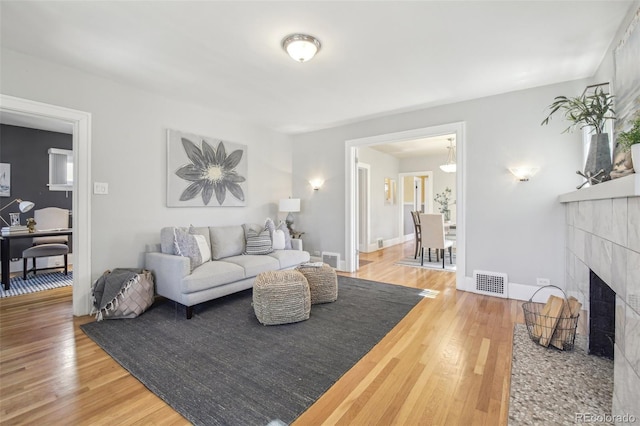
column 278, row 240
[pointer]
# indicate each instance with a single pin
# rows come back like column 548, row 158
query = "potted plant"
column 630, row 140
column 443, row 199
column 589, row 111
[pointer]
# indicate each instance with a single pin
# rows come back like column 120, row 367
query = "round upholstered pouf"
column 281, row 297
column 323, row 283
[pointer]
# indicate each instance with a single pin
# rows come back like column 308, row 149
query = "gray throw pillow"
column 269, row 226
column 287, row 236
column 194, row 247
column 258, row 243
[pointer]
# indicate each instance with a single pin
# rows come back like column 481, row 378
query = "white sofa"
column 228, row 272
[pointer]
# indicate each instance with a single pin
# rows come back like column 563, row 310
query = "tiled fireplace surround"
column 604, row 235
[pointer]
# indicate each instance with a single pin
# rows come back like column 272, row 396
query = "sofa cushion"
column 290, row 258
column 258, row 242
column 253, row 265
column 212, row 274
column 194, row 247
column 226, row 241
column 251, row 226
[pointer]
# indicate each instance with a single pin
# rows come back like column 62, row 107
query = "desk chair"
column 44, row 250
column 48, row 218
column 51, row 218
column 433, row 236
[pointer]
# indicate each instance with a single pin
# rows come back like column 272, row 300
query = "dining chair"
column 433, row 236
column 417, row 232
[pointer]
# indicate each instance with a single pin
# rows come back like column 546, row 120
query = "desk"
column 6, row 245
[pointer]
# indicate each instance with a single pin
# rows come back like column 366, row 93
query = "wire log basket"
column 559, row 331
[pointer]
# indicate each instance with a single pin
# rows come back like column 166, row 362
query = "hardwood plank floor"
column 446, row 363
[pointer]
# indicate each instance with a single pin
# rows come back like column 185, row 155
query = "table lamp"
column 24, row 207
column 290, row 205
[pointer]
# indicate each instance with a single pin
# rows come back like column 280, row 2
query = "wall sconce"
column 316, row 184
column 523, row 173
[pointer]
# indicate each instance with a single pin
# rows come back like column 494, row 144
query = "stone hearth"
column 603, row 236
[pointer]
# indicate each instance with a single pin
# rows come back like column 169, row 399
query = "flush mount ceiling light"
column 450, row 165
column 301, row 47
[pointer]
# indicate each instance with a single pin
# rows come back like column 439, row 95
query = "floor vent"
column 331, row 259
column 491, row 283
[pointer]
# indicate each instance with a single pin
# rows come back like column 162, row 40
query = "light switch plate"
column 101, row 188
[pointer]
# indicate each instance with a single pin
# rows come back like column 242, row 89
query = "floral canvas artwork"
column 204, row 171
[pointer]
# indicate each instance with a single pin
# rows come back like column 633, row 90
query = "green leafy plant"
column 443, row 199
column 631, row 137
column 584, row 111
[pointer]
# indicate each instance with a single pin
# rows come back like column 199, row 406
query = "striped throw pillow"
column 258, row 242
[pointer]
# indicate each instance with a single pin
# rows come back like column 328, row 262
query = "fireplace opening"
column 602, row 317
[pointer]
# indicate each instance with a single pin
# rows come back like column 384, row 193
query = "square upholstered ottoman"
column 323, row 282
column 281, row 297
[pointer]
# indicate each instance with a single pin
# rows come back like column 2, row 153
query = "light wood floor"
column 447, row 362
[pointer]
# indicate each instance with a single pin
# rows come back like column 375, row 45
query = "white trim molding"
column 81, row 130
column 458, row 128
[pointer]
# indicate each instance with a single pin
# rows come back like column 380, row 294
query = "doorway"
column 416, row 194
column 81, row 131
column 351, row 240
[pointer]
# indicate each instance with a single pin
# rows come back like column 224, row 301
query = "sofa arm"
column 168, row 271
column 296, row 244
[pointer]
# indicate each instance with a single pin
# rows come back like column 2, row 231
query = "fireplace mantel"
column 628, row 186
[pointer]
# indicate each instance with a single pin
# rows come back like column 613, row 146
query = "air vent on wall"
column 331, row 259
column 491, row 283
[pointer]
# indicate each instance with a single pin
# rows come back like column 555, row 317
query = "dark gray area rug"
column 222, row 367
column 553, row 387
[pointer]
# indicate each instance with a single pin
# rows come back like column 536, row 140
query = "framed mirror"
column 389, row 191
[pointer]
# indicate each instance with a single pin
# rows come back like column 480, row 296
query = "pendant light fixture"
column 450, row 165
column 301, row 47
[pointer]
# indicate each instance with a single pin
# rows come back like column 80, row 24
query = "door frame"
column 367, row 214
column 459, row 129
column 80, row 122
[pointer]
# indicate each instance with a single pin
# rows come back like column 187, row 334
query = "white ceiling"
column 377, row 57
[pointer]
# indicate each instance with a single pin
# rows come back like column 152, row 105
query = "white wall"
column 513, row 227
column 384, row 217
column 129, row 152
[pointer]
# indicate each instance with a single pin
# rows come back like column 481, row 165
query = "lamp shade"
column 450, row 165
column 25, row 206
column 290, row 205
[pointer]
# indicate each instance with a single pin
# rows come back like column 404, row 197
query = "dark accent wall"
column 27, row 152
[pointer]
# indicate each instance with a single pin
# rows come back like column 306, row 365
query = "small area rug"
column 33, row 284
column 222, row 367
column 553, row 387
column 415, row 263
